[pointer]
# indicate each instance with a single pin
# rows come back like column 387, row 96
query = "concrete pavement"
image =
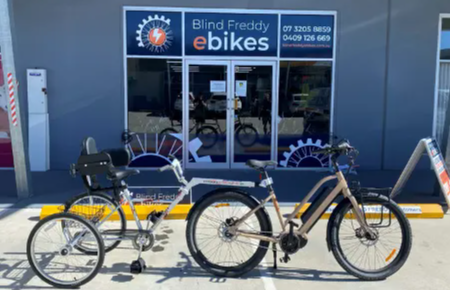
column 171, row 267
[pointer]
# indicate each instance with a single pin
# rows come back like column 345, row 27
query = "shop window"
column 154, row 110
column 304, row 113
column 444, row 40
column 442, row 111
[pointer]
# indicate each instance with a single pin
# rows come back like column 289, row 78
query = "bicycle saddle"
column 119, row 175
column 260, row 165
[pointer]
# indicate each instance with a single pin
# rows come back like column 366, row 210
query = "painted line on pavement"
column 268, row 282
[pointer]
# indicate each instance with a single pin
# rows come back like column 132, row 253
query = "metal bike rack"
column 438, row 163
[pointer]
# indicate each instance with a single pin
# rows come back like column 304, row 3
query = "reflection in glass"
column 442, row 110
column 207, row 113
column 253, row 107
column 304, row 113
column 154, row 105
column 445, row 40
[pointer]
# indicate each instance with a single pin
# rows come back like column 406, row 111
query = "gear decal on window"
column 155, row 34
column 167, row 145
column 303, row 155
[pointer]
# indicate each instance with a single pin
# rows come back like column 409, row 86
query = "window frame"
column 437, row 70
column 277, row 59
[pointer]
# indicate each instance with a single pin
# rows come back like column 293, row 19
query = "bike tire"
column 337, row 218
column 168, row 131
column 114, row 203
column 254, row 133
column 233, row 196
column 86, row 224
column 215, row 132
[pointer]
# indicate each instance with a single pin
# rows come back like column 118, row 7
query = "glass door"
column 207, row 113
column 251, row 134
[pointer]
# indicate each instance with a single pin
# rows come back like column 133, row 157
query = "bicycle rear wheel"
column 51, row 254
column 246, row 135
column 95, row 207
column 371, row 257
column 208, row 135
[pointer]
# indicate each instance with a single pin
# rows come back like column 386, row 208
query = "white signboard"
column 240, row 88
column 218, row 87
column 438, row 163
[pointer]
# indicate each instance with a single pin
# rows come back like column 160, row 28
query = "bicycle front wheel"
column 246, row 135
column 208, row 135
column 371, row 257
column 217, row 250
column 51, row 253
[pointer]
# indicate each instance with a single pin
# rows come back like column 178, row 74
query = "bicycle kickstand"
column 274, row 251
column 139, row 265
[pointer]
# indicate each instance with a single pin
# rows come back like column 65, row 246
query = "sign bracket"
column 438, row 163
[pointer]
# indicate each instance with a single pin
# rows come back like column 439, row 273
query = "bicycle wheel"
column 50, row 251
column 168, row 131
column 366, row 257
column 208, row 135
column 95, row 207
column 246, row 135
column 214, row 248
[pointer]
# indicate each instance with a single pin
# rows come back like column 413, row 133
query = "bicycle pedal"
column 154, row 216
column 285, row 259
column 138, row 266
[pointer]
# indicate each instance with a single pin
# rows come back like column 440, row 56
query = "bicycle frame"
column 183, row 191
column 341, row 187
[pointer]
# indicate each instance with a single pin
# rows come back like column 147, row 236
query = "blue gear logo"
column 155, row 34
column 303, row 155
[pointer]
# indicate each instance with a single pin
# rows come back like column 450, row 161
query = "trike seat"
column 260, row 165
column 119, row 175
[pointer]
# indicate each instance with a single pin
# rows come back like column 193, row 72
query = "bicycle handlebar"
column 164, row 168
column 176, row 167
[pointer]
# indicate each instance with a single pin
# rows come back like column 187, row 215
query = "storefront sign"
column 160, row 33
column 154, row 33
column 306, row 36
column 231, row 34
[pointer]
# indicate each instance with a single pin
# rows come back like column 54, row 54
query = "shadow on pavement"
column 186, row 269
column 18, row 273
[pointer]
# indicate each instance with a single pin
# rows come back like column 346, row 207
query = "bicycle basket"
column 92, row 212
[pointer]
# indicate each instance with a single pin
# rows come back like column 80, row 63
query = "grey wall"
column 411, row 76
column 80, row 44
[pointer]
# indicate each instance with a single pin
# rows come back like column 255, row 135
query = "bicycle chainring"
column 291, row 243
column 145, row 239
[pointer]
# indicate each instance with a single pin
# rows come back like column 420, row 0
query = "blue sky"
column 445, row 40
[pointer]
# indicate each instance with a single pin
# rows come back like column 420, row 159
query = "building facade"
column 218, row 83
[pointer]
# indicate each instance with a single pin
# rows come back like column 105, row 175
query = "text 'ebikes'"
column 222, row 35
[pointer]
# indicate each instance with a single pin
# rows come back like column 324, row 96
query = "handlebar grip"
column 322, row 151
column 164, row 168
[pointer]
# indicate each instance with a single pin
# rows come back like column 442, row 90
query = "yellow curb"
column 179, row 212
column 412, row 211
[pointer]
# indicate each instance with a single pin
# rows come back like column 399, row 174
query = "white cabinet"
column 38, row 120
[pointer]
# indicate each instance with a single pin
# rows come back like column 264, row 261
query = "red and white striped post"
column 20, row 150
column 12, row 100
